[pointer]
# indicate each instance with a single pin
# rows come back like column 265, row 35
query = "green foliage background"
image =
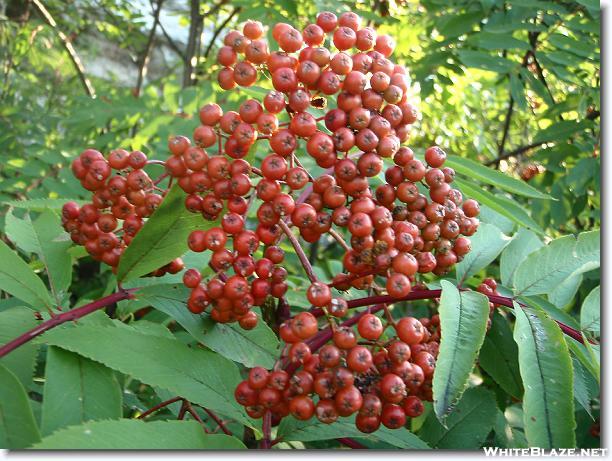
column 511, row 85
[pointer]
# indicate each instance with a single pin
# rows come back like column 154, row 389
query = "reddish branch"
column 299, row 251
column 185, row 408
column 351, row 443
column 194, row 414
column 160, row 406
column 266, row 442
column 431, row 294
column 68, row 316
column 325, row 335
column 217, row 420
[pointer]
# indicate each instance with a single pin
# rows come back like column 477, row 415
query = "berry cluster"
column 411, row 223
column 382, row 382
column 231, row 298
column 335, row 95
column 120, row 203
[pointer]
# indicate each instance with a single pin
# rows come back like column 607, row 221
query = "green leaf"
column 53, row 253
column 463, row 318
column 593, row 5
column 17, row 279
column 564, row 293
column 77, row 390
column 13, row 322
column 588, row 251
column 546, row 268
column 581, row 352
column 590, row 314
column 476, row 170
column 553, row 311
column 546, row 370
column 17, row 426
column 458, row 24
column 486, row 61
column 493, row 217
column 20, row 232
column 507, row 436
column 467, row 426
column 561, row 131
column 258, row 346
column 537, row 86
column 130, row 434
column 524, row 243
column 585, row 386
column 517, row 90
column 291, row 429
column 200, row 376
column 499, row 357
column 584, row 49
column 594, row 353
column 41, row 237
column 162, row 238
column 41, row 204
column 491, row 41
column 506, row 207
column 487, row 244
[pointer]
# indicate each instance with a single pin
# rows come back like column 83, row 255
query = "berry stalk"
column 299, row 251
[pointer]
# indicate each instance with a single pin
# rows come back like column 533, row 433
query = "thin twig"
column 195, row 415
column 334, row 233
column 219, row 29
column 217, row 420
column 183, row 410
column 299, row 251
column 160, row 406
column 193, row 42
column 74, row 57
column 515, row 152
column 171, row 42
column 146, row 54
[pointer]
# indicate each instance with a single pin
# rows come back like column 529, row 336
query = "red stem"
column 266, row 428
column 68, row 316
column 351, row 443
column 160, row 406
column 183, row 410
column 325, row 335
column 195, row 415
column 430, row 294
column 283, row 311
column 351, row 277
column 299, row 251
column 220, row 423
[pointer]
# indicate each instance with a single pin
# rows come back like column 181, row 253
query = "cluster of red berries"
column 231, row 298
column 120, row 203
column 381, row 382
column 214, row 183
column 396, row 230
column 402, row 216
